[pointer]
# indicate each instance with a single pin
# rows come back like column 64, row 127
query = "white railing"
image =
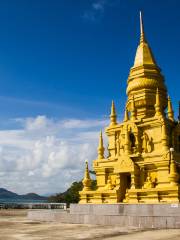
column 33, row 205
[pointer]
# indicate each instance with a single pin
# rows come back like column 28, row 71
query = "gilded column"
column 173, row 177
column 133, row 110
column 157, row 105
column 126, row 142
column 164, row 136
column 126, row 116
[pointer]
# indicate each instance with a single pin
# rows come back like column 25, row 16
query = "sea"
column 11, row 200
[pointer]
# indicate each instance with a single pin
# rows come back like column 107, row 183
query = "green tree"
column 71, row 195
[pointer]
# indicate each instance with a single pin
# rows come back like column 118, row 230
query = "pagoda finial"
column 144, row 55
column 157, row 105
column 86, row 180
column 170, row 110
column 113, row 115
column 86, row 175
column 100, row 147
column 142, row 36
column 126, row 116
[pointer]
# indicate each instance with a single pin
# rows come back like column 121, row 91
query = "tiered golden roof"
column 144, row 78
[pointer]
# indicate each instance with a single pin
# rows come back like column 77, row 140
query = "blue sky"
column 70, row 58
column 61, row 64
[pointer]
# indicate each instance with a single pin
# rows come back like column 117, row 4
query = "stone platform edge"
column 127, row 209
column 144, row 216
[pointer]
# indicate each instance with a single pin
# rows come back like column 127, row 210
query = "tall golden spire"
column 144, row 78
column 100, row 147
column 113, row 115
column 142, row 36
column 144, row 54
column 170, row 110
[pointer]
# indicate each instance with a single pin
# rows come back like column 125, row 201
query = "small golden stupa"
column 144, row 149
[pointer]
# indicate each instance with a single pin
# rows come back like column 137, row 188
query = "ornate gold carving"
column 126, row 164
column 147, row 144
column 126, row 199
column 109, row 185
column 149, row 183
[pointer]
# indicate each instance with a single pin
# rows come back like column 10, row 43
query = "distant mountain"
column 5, row 194
column 33, row 196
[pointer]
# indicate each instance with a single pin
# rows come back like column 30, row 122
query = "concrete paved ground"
column 15, row 226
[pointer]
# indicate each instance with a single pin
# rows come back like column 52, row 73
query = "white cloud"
column 96, row 10
column 47, row 155
column 99, row 5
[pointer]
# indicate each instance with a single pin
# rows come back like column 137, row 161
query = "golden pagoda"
column 144, row 149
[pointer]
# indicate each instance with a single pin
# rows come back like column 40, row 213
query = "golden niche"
column 144, row 149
